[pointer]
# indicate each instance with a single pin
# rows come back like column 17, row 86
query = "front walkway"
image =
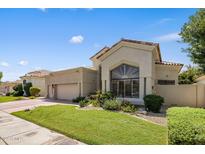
column 16, row 131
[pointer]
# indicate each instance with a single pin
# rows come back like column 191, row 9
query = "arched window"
column 125, row 81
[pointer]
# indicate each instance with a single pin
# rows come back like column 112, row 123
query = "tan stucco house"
column 37, row 78
column 130, row 69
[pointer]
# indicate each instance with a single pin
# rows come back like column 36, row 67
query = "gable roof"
column 39, row 73
column 106, row 49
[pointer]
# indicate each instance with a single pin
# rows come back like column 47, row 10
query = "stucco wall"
column 84, row 77
column 89, row 81
column 183, row 95
column 164, row 72
column 132, row 56
column 73, row 76
column 37, row 82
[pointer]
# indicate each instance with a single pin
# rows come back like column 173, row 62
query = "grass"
column 4, row 99
column 96, row 127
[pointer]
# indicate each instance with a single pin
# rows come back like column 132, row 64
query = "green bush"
column 95, row 103
column 34, row 91
column 18, row 90
column 186, row 126
column 111, row 105
column 27, row 87
column 153, row 103
column 84, row 103
column 126, row 106
column 32, row 97
column 78, row 99
column 8, row 94
column 102, row 97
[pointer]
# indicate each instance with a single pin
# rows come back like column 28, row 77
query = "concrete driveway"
column 16, row 131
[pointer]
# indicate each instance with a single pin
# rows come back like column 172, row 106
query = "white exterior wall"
column 132, row 56
column 164, row 72
column 37, row 82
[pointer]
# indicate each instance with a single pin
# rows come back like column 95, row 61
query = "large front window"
column 125, row 81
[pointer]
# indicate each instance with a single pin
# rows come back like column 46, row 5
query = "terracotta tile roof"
column 140, row 42
column 127, row 40
column 168, row 63
column 105, row 48
column 39, row 73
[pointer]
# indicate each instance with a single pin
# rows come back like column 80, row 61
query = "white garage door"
column 67, row 91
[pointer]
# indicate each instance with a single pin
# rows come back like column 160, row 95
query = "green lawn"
column 4, row 99
column 96, row 127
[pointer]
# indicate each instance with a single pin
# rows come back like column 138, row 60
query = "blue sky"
column 54, row 39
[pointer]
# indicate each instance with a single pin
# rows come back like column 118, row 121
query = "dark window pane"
column 135, row 92
column 166, row 82
column 121, row 89
column 128, row 88
column 114, row 87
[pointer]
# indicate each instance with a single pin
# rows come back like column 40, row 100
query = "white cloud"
column 89, row 9
column 23, row 62
column 168, row 37
column 5, row 64
column 76, row 39
column 161, row 22
column 43, row 9
column 164, row 20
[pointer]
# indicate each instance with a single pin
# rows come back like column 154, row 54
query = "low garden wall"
column 182, row 95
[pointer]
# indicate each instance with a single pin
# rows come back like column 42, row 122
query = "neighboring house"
column 130, row 69
column 37, row 78
column 6, row 87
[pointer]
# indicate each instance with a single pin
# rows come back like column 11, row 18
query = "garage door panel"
column 67, row 91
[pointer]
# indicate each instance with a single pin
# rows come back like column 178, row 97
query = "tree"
column 190, row 75
column 18, row 90
column 193, row 33
column 1, row 75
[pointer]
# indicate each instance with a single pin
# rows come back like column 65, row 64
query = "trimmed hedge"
column 34, row 91
column 186, row 126
column 153, row 103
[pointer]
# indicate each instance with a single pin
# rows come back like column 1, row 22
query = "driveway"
column 16, row 131
column 20, row 105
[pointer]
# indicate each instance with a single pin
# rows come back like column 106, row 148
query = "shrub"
column 18, row 90
column 126, row 106
column 27, row 87
column 84, row 103
column 111, row 105
column 186, row 126
column 8, row 94
column 32, row 97
column 153, row 103
column 78, row 99
column 102, row 97
column 34, row 91
column 95, row 103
